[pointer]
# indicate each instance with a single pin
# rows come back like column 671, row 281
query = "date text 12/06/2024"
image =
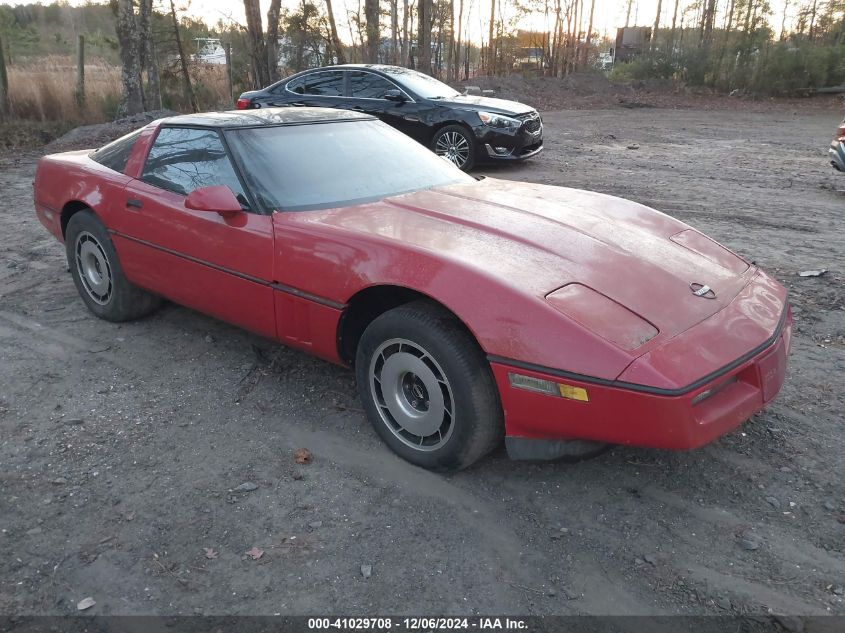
column 417, row 624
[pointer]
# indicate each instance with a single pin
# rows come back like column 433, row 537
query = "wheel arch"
column 368, row 304
column 69, row 210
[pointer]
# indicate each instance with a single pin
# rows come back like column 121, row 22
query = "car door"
column 366, row 93
column 218, row 264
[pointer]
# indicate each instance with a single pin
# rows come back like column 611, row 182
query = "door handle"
column 134, row 203
column 298, row 104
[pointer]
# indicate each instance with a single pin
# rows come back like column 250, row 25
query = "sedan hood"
column 537, row 238
column 487, row 104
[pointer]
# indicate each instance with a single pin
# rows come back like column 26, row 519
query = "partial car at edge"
column 837, row 148
column 466, row 130
column 470, row 310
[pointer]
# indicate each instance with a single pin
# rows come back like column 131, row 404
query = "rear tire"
column 427, row 388
column 456, row 144
column 97, row 273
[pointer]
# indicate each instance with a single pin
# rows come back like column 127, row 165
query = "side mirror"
column 395, row 95
column 218, row 199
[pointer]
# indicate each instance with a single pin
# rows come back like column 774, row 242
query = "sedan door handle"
column 134, row 203
column 298, row 104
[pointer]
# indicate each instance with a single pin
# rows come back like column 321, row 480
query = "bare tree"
column 336, row 45
column 371, row 12
column 406, row 36
column 258, row 53
column 149, row 61
column 491, row 47
column 424, row 36
column 458, row 39
column 589, row 32
column 657, row 23
column 187, row 88
column 272, row 45
column 130, row 67
column 394, row 31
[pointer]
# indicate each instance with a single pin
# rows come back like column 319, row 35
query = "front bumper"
column 496, row 144
column 836, row 153
column 620, row 413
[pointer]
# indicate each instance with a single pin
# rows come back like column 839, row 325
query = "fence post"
column 4, row 83
column 229, row 75
column 80, row 72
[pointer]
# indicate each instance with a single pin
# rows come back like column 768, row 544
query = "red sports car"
column 470, row 309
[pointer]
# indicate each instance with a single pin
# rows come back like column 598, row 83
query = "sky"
column 609, row 14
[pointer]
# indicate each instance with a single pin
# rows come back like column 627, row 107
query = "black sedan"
column 464, row 129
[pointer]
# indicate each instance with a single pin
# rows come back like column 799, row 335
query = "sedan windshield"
column 423, row 85
column 325, row 165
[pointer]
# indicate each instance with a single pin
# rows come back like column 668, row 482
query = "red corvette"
column 470, row 309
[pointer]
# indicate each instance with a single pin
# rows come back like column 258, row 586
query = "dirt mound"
column 95, row 135
column 593, row 90
column 583, row 90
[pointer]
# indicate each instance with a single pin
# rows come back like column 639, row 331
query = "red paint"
column 494, row 253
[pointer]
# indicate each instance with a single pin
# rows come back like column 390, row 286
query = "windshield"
column 425, row 86
column 325, row 165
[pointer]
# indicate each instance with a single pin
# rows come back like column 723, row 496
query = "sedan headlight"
column 499, row 120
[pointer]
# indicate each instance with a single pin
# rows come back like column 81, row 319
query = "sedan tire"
column 427, row 388
column 456, row 144
column 97, row 273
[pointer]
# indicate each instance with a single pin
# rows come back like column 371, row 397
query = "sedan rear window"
column 325, row 165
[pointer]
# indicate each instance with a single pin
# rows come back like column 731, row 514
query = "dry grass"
column 44, row 90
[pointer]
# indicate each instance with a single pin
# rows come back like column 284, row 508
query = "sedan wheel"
column 455, row 144
column 427, row 387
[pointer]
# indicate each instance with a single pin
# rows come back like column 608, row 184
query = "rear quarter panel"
column 70, row 177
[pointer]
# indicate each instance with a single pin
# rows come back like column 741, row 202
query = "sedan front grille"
column 531, row 122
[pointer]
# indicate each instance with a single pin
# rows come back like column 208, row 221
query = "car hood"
column 537, row 238
column 487, row 104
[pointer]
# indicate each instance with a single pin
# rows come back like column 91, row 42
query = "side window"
column 327, row 83
column 368, row 86
column 116, row 154
column 184, row 159
column 297, row 86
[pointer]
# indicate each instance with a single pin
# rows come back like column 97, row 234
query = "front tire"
column 97, row 273
column 456, row 144
column 427, row 388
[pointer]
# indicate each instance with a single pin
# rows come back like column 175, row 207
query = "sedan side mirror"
column 218, row 199
column 395, row 95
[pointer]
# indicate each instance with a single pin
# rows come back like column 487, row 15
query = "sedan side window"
column 368, row 86
column 325, row 84
column 184, row 159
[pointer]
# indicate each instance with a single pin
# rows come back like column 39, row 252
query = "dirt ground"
column 122, row 447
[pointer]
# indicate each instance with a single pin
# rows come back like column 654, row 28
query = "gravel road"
column 122, row 447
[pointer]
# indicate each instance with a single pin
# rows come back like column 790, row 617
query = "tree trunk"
column 261, row 73
column 372, row 15
column 272, row 44
column 394, row 32
column 491, row 47
column 130, row 68
column 657, row 24
column 4, row 83
column 458, row 39
column 79, row 92
column 589, row 32
column 406, row 41
column 336, row 45
column 148, row 53
column 188, row 89
column 451, row 66
column 674, row 25
column 424, row 36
